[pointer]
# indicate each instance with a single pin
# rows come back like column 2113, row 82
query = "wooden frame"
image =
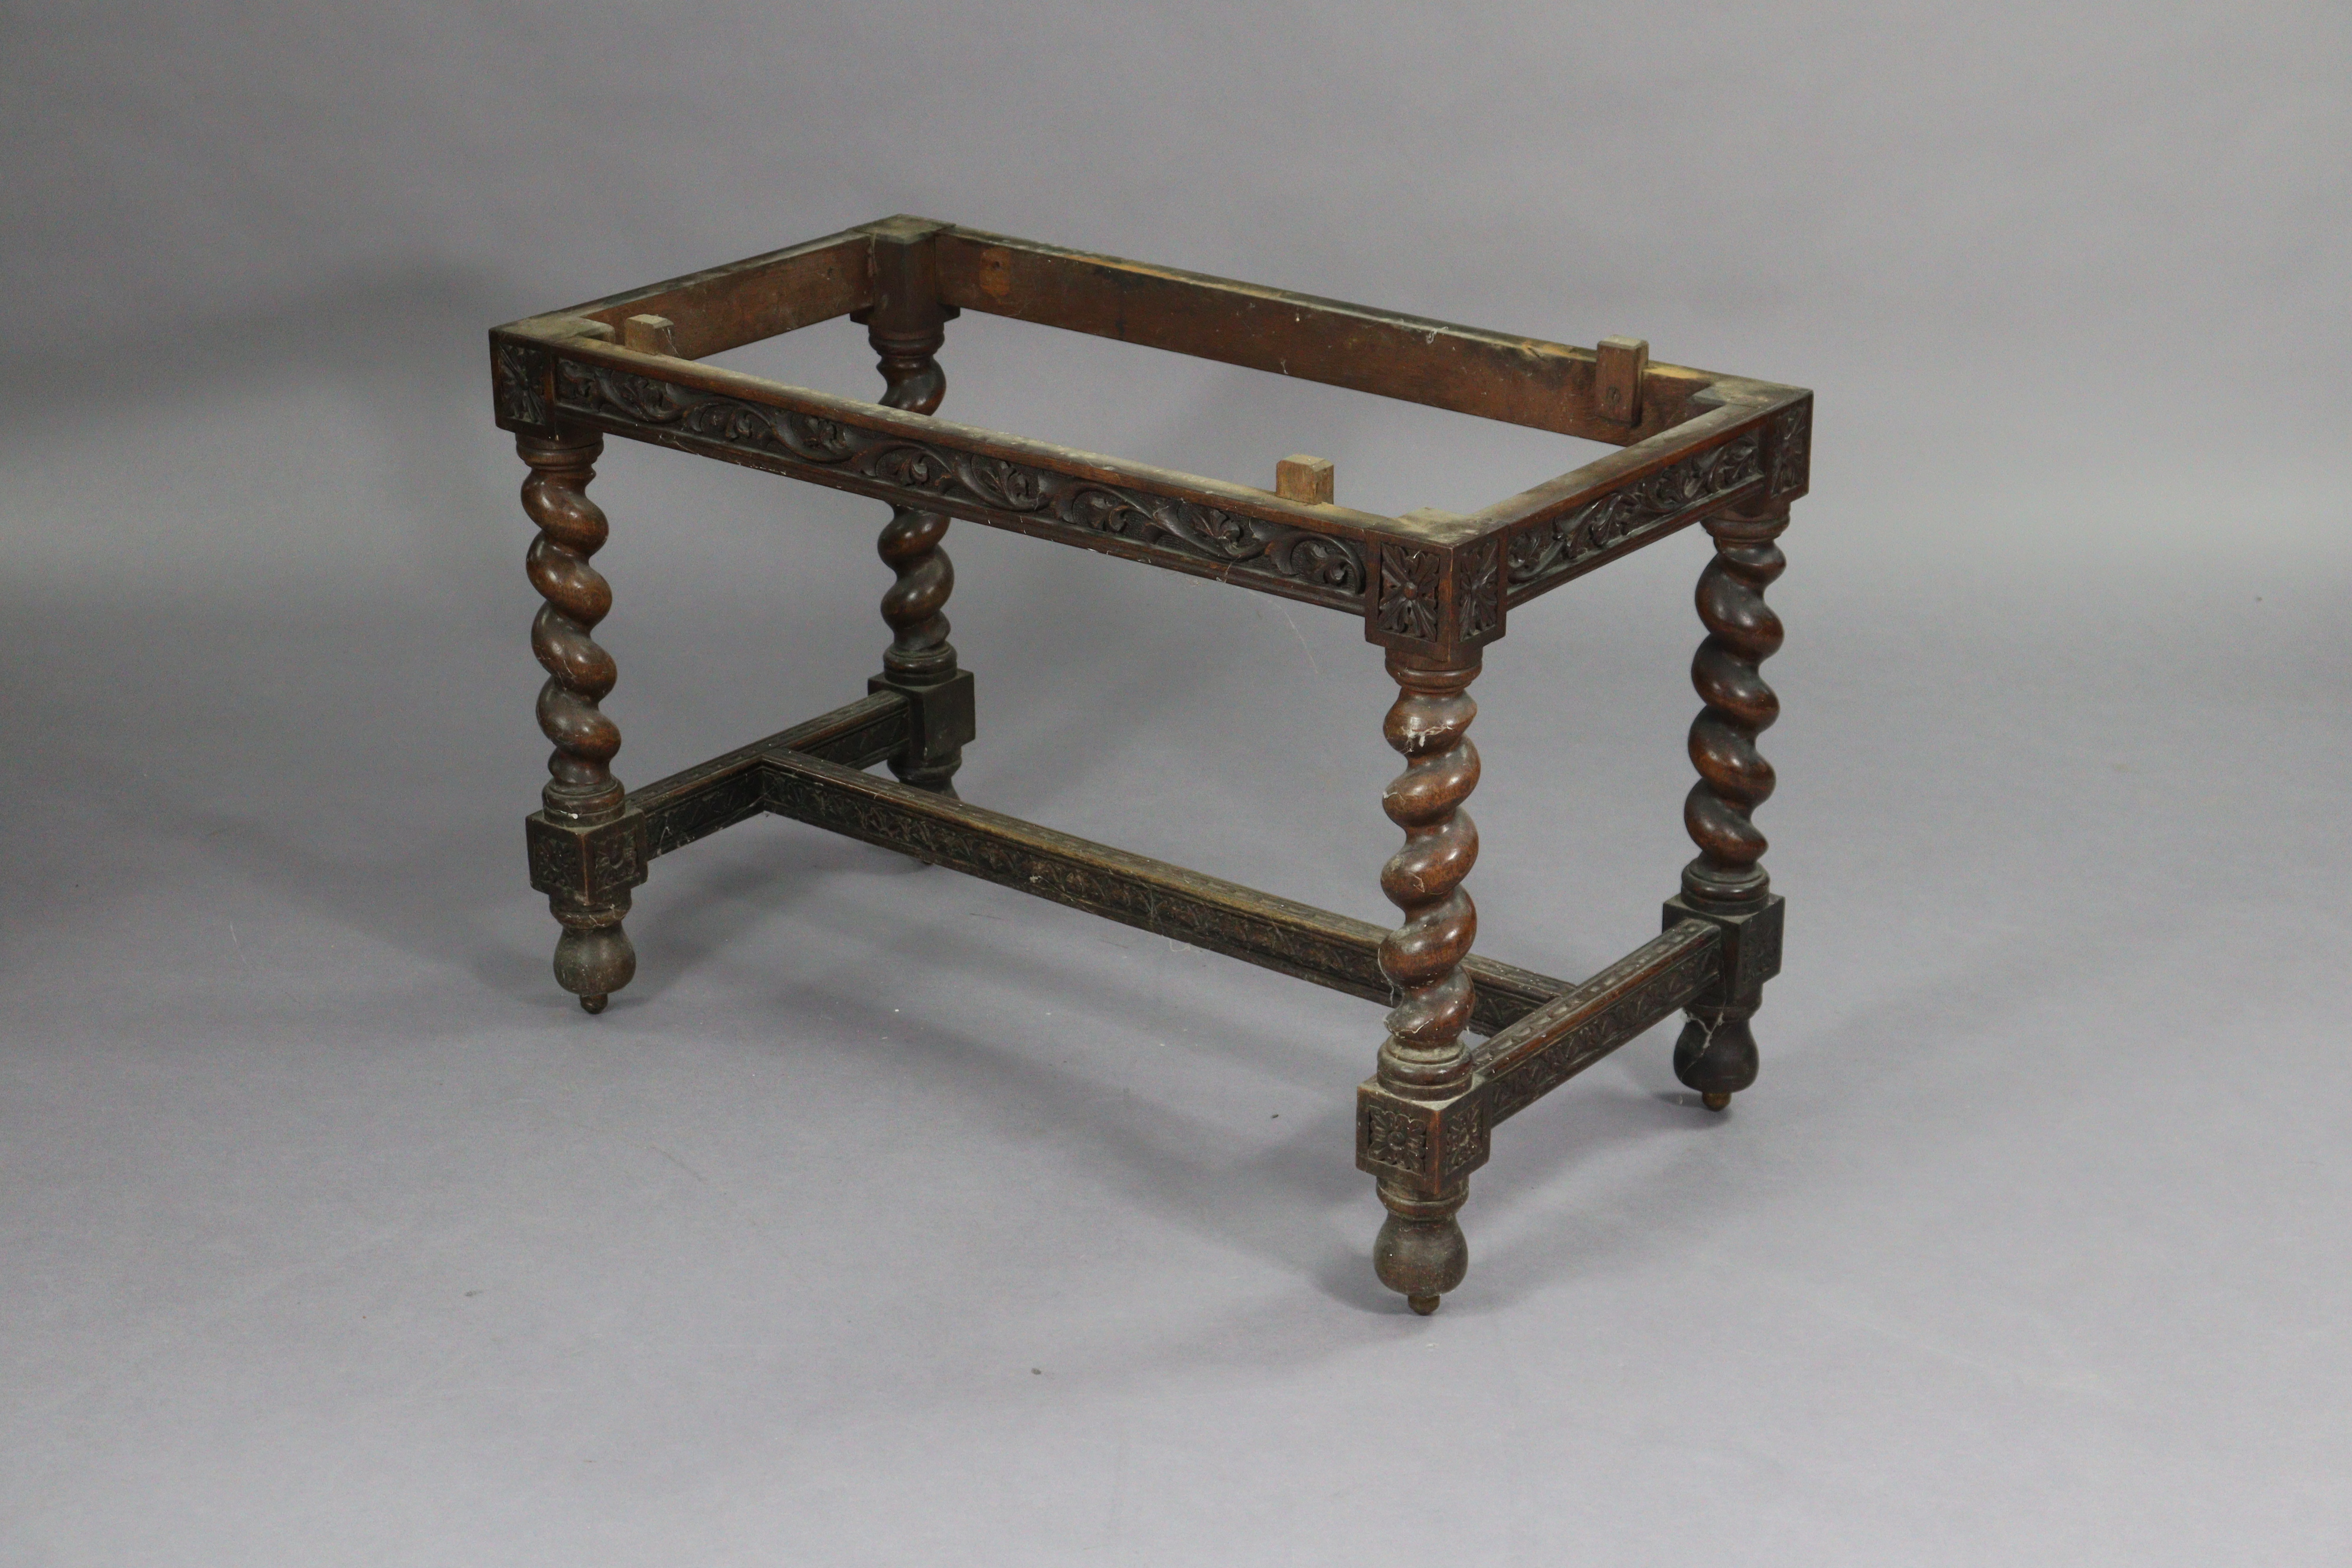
column 1432, row 588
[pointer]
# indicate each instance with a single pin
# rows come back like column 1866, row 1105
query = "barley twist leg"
column 919, row 659
column 1420, row 1252
column 594, row 957
column 1717, row 1052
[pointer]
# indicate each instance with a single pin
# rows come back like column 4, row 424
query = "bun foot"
column 1420, row 1253
column 1716, row 1053
column 1711, row 1100
column 594, row 957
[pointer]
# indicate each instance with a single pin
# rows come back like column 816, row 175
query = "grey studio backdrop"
column 893, row 1219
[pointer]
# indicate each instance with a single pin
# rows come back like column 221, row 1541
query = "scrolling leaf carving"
column 1330, row 569
column 1666, row 500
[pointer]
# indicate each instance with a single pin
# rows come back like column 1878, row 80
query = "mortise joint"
column 1301, row 478
column 1617, row 381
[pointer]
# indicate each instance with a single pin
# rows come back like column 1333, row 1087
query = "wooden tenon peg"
column 1304, row 479
column 1617, row 381
column 650, row 335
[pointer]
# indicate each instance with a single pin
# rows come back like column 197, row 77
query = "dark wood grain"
column 594, row 957
column 1432, row 588
column 1716, row 1054
column 906, row 324
column 700, row 800
column 1231, row 533
column 1493, row 375
column 745, row 301
column 1577, row 1028
column 1205, row 911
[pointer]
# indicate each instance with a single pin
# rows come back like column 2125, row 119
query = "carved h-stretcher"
column 1433, row 589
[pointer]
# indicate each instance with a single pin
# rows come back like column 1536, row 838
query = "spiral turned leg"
column 592, row 957
column 920, row 659
column 1420, row 1252
column 1717, row 1052
column 921, row 662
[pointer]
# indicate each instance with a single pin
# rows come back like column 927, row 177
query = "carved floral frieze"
column 1327, row 569
column 1665, row 500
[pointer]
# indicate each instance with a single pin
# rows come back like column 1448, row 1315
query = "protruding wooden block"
column 1619, row 382
column 1304, row 479
column 650, row 335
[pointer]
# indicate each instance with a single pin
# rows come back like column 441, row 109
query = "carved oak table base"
column 1434, row 590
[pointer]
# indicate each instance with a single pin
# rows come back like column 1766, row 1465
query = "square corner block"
column 1430, row 1143
column 1438, row 596
column 586, row 864
column 1752, row 942
column 939, row 718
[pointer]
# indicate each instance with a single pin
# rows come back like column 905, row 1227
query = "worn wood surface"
column 1493, row 375
column 725, row 307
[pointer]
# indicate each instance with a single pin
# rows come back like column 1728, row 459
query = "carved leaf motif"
column 915, row 467
column 1102, row 511
column 1332, row 566
column 1220, row 531
column 1647, row 505
column 733, row 422
column 575, row 382
column 1010, row 486
column 1531, row 549
column 642, row 397
column 817, row 439
column 1318, row 559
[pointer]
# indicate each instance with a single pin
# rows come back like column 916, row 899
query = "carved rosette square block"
column 1788, row 451
column 1430, row 1144
column 522, row 377
column 1444, row 596
column 1751, row 944
column 590, row 865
